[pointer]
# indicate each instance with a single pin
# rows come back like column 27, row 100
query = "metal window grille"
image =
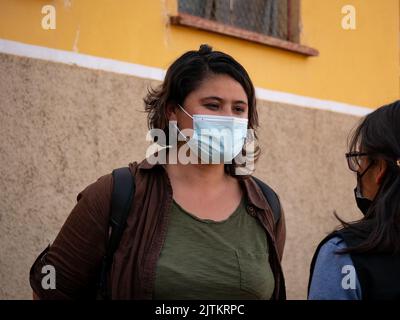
column 269, row 17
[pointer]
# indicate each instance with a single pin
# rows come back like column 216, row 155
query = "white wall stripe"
column 82, row 60
column 141, row 71
column 308, row 102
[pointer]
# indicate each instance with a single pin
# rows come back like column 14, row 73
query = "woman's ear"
column 170, row 111
column 381, row 171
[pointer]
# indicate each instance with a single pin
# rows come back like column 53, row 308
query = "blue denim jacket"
column 328, row 275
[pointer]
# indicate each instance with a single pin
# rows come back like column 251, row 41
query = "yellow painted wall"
column 355, row 66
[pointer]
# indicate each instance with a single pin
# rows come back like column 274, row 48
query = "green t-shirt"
column 206, row 259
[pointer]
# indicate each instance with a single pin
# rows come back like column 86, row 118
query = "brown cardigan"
column 77, row 251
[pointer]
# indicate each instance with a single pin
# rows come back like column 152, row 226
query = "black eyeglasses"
column 353, row 159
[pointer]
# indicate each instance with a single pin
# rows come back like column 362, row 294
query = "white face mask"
column 217, row 139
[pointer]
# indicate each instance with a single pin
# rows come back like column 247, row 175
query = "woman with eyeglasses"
column 361, row 261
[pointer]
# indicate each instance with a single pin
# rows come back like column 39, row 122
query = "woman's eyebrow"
column 241, row 101
column 220, row 99
column 213, row 98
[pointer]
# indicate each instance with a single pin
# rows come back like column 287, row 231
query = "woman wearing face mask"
column 362, row 260
column 197, row 229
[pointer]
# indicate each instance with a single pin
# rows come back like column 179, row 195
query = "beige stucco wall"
column 304, row 161
column 64, row 126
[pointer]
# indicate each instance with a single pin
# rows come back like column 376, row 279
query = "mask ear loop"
column 179, row 131
column 249, row 136
column 247, row 140
column 176, row 123
column 184, row 111
column 359, row 176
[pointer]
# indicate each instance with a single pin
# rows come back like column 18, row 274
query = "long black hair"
column 378, row 134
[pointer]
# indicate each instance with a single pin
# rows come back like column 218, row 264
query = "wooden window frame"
column 292, row 45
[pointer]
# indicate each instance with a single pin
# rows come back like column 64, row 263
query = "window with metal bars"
column 275, row 18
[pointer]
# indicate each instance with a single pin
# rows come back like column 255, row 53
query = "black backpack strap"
column 121, row 203
column 271, row 197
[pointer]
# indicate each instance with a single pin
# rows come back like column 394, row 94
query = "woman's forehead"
column 221, row 86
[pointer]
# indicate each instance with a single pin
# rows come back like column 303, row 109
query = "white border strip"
column 82, row 60
column 141, row 71
column 313, row 103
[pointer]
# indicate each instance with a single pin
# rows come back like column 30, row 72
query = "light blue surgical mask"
column 216, row 139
